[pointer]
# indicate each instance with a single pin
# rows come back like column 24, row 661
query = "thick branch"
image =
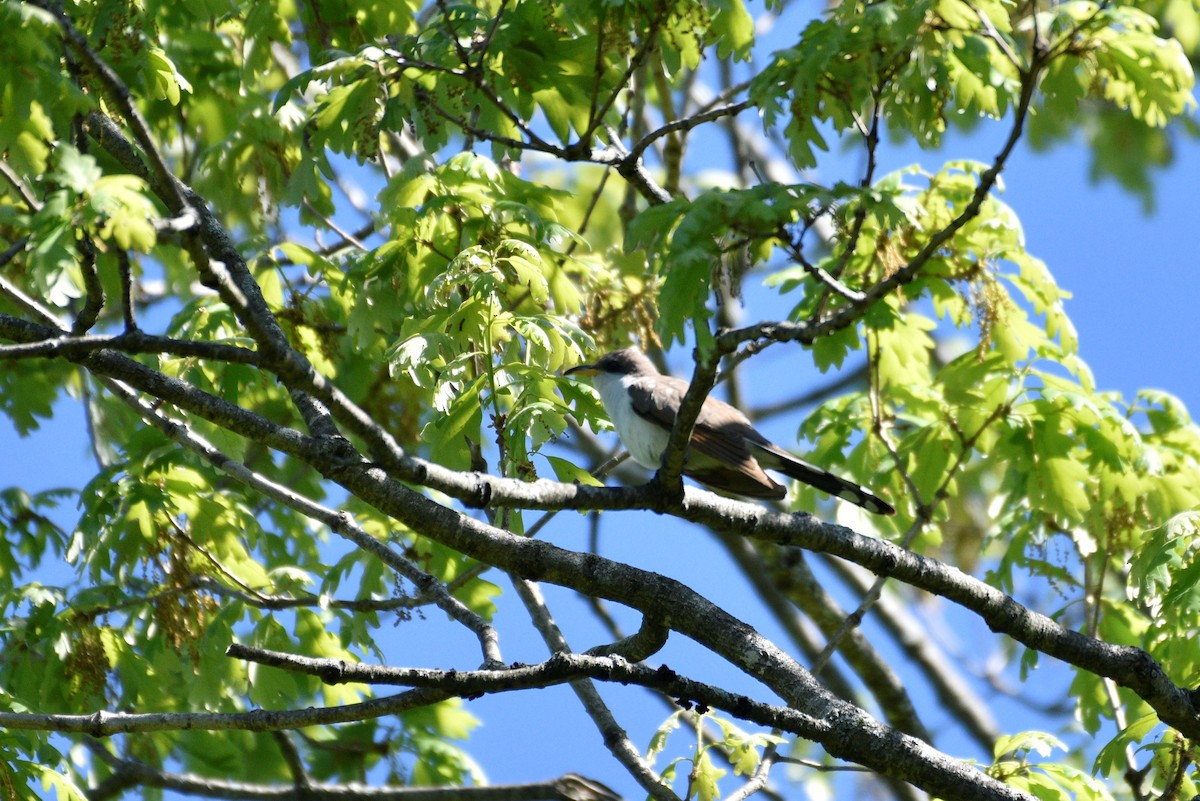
column 853, row 735
column 228, row 272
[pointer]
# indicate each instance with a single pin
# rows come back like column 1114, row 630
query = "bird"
column 725, row 452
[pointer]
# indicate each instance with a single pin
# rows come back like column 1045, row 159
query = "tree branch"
column 953, row 693
column 560, row 668
column 131, row 772
column 131, row 342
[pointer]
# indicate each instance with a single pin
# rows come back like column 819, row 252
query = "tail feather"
column 776, row 459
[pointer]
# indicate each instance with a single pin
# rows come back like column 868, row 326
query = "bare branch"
column 14, row 180
column 131, row 772
column 94, row 292
column 127, row 304
column 134, row 341
column 560, row 668
column 687, row 124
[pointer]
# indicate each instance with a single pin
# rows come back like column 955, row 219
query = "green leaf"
column 1036, row 742
column 705, row 777
column 659, row 741
column 127, row 210
column 567, row 471
column 166, row 82
column 76, row 171
column 732, row 29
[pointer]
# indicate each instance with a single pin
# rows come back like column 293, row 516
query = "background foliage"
column 314, row 271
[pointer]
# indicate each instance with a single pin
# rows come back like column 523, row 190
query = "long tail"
column 821, row 479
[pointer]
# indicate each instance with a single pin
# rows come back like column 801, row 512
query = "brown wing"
column 718, row 455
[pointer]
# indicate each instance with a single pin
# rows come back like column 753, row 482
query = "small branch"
column 50, row 325
column 353, row 239
column 822, row 277
column 295, row 762
column 164, row 181
column 597, row 113
column 132, row 342
column 94, row 291
column 648, row 640
column 758, row 781
column 259, row 600
column 687, row 124
column 808, row 332
column 14, row 180
column 463, row 56
column 211, row 558
column 1122, row 721
column 129, row 773
column 704, row 377
column 11, row 252
column 491, row 34
column 850, row 245
column 1001, row 43
column 127, row 304
column 347, row 237
column 843, row 381
column 106, row 724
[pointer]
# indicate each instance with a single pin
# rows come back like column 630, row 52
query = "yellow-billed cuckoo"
column 725, row 452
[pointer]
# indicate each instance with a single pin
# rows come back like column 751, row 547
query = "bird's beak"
column 582, row 370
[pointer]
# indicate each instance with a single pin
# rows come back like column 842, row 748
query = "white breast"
column 644, row 440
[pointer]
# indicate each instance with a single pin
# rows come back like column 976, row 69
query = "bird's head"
column 627, row 361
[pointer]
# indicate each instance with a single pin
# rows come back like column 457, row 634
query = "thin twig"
column 687, row 124
column 14, row 180
column 127, row 306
